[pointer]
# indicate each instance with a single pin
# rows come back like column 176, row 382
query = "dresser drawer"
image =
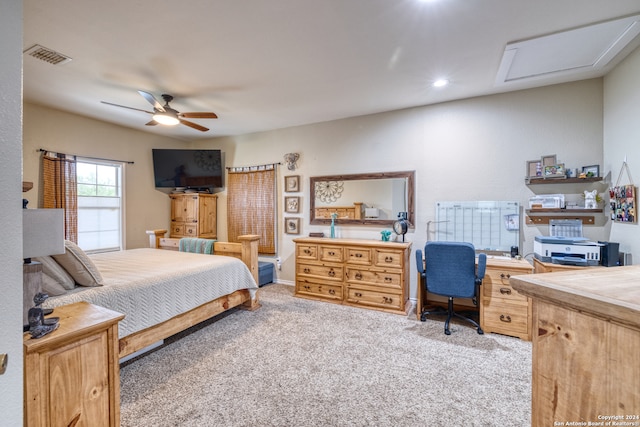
column 505, row 318
column 361, row 256
column 372, row 298
column 496, row 285
column 322, row 271
column 383, row 278
column 331, row 253
column 386, row 258
column 319, row 289
column 191, row 230
column 307, row 252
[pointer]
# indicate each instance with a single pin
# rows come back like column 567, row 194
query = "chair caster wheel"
column 447, row 332
column 480, row 331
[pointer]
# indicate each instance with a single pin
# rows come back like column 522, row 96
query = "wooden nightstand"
column 72, row 376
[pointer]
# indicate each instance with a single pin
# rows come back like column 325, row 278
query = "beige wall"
column 472, row 149
column 622, row 139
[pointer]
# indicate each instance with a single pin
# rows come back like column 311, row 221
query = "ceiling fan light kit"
column 165, row 119
column 165, row 115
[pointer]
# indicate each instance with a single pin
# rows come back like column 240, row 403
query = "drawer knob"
column 358, row 276
column 331, row 273
column 331, row 253
column 358, row 255
column 307, row 287
column 307, row 271
column 506, row 319
column 388, row 279
column 332, row 291
column 388, row 259
column 387, row 300
column 505, row 291
column 307, row 252
column 505, row 276
column 358, row 294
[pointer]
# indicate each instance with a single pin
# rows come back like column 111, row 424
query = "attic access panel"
column 581, row 49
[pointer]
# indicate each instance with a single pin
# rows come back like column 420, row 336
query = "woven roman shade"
column 251, row 205
column 60, row 190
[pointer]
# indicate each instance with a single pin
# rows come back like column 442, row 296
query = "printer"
column 566, row 245
column 566, row 250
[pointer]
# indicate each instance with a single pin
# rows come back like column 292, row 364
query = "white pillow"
column 51, row 268
column 79, row 265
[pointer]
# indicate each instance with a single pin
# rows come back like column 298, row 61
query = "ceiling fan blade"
column 152, row 100
column 151, row 123
column 130, row 108
column 194, row 125
column 198, row 115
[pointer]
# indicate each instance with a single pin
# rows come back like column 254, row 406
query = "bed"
column 163, row 291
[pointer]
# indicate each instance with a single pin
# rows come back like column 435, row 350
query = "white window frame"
column 121, row 165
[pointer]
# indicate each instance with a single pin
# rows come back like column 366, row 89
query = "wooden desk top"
column 609, row 293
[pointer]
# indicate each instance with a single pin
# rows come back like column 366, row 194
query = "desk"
column 502, row 309
column 548, row 267
column 586, row 344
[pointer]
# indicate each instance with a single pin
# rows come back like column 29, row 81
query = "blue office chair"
column 449, row 269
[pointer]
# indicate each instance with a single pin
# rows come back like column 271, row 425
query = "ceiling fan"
column 165, row 115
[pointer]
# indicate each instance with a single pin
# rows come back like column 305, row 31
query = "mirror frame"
column 409, row 175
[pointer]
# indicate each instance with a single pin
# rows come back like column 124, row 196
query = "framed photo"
column 292, row 183
column 549, row 160
column 554, row 171
column 292, row 225
column 623, row 203
column 292, row 204
column 534, row 169
column 591, row 171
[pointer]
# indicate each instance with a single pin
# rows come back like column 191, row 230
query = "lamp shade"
column 42, row 232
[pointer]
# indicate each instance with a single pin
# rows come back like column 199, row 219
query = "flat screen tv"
column 187, row 168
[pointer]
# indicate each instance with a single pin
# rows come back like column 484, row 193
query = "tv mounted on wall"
column 187, row 168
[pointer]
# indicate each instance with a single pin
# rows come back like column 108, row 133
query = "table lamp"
column 42, row 235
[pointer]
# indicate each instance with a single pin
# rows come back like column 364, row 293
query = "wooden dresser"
column 586, row 345
column 194, row 215
column 364, row 273
column 502, row 309
column 72, row 375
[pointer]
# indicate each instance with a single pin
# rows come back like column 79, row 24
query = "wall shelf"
column 542, row 216
column 535, row 181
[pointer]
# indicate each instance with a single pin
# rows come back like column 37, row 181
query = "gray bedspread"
column 151, row 285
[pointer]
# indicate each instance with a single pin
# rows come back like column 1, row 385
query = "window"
column 100, row 209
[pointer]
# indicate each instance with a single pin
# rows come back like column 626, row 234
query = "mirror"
column 362, row 199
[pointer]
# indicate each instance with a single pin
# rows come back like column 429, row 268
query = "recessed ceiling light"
column 440, row 83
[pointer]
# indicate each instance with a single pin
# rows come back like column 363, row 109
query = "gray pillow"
column 51, row 287
column 79, row 265
column 54, row 270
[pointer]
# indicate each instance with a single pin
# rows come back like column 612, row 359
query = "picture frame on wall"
column 292, row 183
column 594, row 170
column 623, row 203
column 292, row 225
column 292, row 204
column 549, row 160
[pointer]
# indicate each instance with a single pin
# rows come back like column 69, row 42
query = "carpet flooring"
column 296, row 362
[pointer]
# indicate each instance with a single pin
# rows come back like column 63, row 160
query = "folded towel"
column 197, row 246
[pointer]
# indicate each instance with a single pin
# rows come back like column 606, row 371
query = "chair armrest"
column 482, row 266
column 419, row 262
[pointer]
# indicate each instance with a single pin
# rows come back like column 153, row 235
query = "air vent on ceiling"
column 45, row 54
column 584, row 49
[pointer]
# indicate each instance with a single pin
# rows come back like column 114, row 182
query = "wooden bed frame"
column 246, row 250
